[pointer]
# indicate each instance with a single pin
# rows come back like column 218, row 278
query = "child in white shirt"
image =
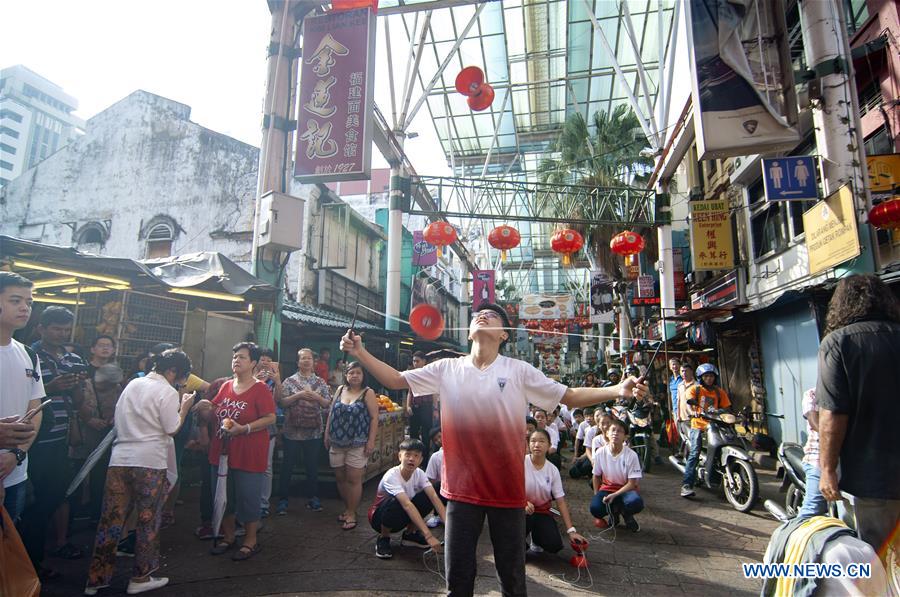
column 616, row 474
column 403, row 498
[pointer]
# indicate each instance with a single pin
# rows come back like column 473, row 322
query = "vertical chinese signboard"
column 334, row 121
column 711, row 245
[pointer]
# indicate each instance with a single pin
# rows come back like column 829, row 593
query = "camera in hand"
column 78, row 369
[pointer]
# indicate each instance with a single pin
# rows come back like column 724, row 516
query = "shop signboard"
column 884, row 175
column 831, row 235
column 743, row 92
column 711, row 244
column 547, row 306
column 725, row 291
column 334, row 119
column 424, row 253
column 645, row 287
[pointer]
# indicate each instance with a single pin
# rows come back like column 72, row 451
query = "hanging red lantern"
column 627, row 243
column 886, row 215
column 504, row 238
column 426, row 321
column 439, row 234
column 566, row 242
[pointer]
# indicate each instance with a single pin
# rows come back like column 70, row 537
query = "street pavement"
column 685, row 546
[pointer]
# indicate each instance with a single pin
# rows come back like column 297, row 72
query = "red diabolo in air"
column 627, row 243
column 566, row 241
column 426, row 321
column 470, row 82
column 886, row 215
column 504, row 238
column 439, row 234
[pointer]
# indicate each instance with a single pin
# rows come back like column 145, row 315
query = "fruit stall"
column 391, row 431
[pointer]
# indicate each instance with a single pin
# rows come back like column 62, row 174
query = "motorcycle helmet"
column 706, row 368
column 614, row 371
column 633, row 371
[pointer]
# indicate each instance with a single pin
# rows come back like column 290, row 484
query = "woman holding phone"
column 141, row 471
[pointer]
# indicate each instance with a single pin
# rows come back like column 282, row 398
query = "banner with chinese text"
column 334, row 120
column 711, row 244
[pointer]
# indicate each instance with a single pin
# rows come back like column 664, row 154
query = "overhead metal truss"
column 507, row 200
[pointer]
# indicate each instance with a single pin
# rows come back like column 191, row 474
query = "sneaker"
column 93, row 590
column 142, row 587
column 414, row 539
column 204, row 532
column 383, row 548
column 631, row 523
column 281, row 508
column 314, row 504
column 601, row 523
column 534, row 549
column 687, row 491
column 434, row 521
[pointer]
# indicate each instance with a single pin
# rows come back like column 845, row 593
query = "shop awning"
column 209, row 271
column 705, row 313
column 310, row 315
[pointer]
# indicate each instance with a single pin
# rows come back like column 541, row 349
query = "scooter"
column 725, row 461
column 793, row 485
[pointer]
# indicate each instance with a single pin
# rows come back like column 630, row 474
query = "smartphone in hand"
column 31, row 413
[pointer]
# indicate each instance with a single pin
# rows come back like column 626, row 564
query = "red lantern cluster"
column 504, row 238
column 627, row 243
column 470, row 82
column 886, row 215
column 439, row 234
column 566, row 242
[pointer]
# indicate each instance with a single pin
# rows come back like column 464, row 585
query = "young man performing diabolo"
column 483, row 398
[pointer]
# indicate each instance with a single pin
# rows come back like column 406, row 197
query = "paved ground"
column 684, row 547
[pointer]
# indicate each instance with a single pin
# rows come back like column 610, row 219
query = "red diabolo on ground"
column 470, row 82
column 426, row 321
column 566, row 241
column 439, row 234
column 627, row 243
column 579, row 560
column 504, row 238
column 886, row 215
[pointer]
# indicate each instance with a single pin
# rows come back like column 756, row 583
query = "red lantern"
column 470, row 82
column 886, row 215
column 439, row 234
column 342, row 5
column 504, row 238
column 567, row 242
column 627, row 243
column 426, row 321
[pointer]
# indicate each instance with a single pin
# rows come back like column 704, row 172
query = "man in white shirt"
column 21, row 390
column 483, row 397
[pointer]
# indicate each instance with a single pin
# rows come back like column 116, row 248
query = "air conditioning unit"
column 280, row 222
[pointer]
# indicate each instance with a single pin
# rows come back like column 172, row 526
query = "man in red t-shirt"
column 323, row 367
column 484, row 397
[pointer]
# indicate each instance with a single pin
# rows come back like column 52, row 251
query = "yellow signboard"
column 830, row 228
column 711, row 244
column 884, row 172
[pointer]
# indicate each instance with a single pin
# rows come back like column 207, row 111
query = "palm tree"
column 611, row 157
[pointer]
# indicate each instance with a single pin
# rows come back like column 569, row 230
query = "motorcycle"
column 725, row 461
column 793, row 485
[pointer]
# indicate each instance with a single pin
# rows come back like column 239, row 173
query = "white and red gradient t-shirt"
column 482, row 424
column 542, row 485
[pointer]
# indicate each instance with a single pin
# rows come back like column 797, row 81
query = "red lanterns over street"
column 566, row 241
column 439, row 234
column 886, row 215
column 470, row 82
column 627, row 243
column 504, row 238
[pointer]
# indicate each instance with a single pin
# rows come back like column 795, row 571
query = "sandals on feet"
column 245, row 552
column 348, row 525
column 220, row 548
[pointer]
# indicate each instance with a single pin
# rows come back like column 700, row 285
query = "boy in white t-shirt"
column 617, row 470
column 21, row 390
column 583, row 425
column 404, row 498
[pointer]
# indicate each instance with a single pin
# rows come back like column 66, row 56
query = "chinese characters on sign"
column 711, row 245
column 334, row 127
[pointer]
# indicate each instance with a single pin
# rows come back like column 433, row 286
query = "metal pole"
column 836, row 119
column 666, row 263
column 395, row 245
